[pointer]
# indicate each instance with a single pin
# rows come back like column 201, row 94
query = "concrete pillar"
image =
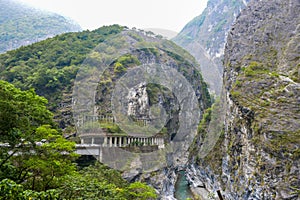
column 110, row 141
column 93, row 140
column 105, row 141
column 161, row 143
column 115, row 141
column 81, row 140
column 100, row 154
column 120, row 141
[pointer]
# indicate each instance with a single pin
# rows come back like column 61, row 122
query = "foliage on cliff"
column 258, row 156
column 210, row 125
column 22, row 25
column 262, row 85
column 266, row 83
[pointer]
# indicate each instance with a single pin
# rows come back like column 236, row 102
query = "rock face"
column 259, row 153
column 138, row 102
column 205, row 36
column 262, row 90
column 22, row 25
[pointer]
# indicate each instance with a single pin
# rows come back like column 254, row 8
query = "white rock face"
column 138, row 102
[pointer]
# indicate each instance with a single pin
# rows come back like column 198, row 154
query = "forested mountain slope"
column 22, row 25
column 50, row 66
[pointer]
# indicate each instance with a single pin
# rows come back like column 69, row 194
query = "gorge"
column 140, row 104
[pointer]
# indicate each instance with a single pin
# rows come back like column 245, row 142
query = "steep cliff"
column 205, row 36
column 257, row 157
column 22, row 25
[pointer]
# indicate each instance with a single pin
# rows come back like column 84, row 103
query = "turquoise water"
column 182, row 190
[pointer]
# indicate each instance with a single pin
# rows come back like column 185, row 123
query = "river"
column 182, row 189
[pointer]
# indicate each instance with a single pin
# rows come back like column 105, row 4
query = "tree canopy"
column 31, row 148
column 37, row 162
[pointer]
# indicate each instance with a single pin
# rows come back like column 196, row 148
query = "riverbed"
column 182, row 189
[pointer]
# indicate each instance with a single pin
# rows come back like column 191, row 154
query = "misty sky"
column 91, row 14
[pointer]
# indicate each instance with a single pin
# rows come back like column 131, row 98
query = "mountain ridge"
column 205, row 36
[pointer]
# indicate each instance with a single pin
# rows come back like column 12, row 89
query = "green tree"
column 32, row 151
column 100, row 182
column 140, row 191
column 10, row 190
column 50, row 162
column 21, row 113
